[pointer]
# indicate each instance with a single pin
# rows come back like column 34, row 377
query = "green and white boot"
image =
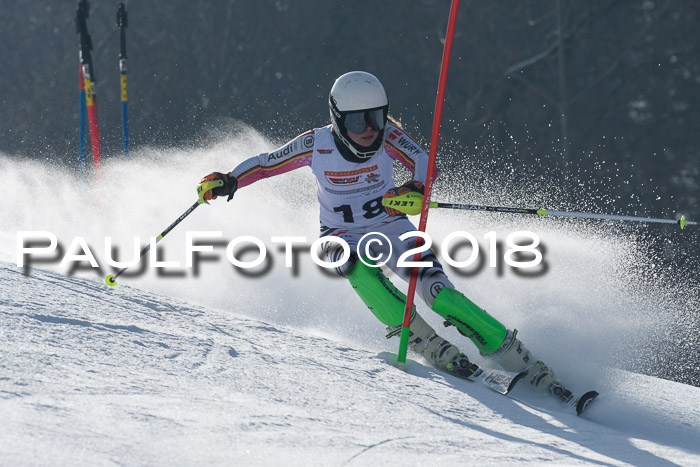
column 387, row 303
column 512, row 355
column 439, row 352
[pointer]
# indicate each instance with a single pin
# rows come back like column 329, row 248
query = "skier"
column 352, row 159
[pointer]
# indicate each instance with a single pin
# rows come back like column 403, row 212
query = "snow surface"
column 93, row 375
column 286, row 366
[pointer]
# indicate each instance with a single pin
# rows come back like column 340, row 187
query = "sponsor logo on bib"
column 353, row 177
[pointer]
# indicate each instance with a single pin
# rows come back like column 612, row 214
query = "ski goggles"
column 358, row 122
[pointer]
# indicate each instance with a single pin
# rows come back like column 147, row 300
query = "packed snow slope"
column 92, row 375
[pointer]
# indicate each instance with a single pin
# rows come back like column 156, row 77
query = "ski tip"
column 585, row 400
column 110, row 281
column 516, row 380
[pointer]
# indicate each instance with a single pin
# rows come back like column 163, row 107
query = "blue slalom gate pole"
column 125, row 123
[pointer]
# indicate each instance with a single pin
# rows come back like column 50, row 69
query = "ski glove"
column 227, row 189
column 408, row 198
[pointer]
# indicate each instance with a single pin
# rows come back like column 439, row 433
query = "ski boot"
column 461, row 367
column 446, row 357
column 440, row 353
column 544, row 380
column 540, row 374
column 512, row 355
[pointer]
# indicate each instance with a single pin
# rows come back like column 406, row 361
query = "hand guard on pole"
column 407, row 198
column 228, row 188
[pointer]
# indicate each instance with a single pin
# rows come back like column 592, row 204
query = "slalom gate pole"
column 430, row 178
column 122, row 24
column 82, row 125
column 89, row 81
column 203, row 188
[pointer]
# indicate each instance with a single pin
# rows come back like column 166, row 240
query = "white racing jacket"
column 350, row 194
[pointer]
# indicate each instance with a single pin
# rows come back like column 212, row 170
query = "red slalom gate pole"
column 82, row 124
column 81, row 16
column 91, row 101
column 430, row 178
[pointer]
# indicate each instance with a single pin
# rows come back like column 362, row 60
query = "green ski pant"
column 387, row 303
column 378, row 293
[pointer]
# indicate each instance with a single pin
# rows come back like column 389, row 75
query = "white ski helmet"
column 357, row 100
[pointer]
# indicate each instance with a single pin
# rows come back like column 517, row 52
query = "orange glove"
column 227, row 189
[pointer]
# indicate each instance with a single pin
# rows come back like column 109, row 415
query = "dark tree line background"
column 596, row 94
column 600, row 95
column 581, row 86
column 600, row 88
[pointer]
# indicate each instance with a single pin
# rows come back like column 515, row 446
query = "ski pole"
column 410, row 205
column 122, row 24
column 202, row 189
column 430, row 176
column 89, row 80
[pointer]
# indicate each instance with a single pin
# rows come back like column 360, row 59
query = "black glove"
column 228, row 188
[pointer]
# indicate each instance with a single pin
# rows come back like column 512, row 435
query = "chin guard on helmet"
column 357, row 101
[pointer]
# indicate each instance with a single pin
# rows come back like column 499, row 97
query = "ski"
column 497, row 380
column 567, row 398
column 503, row 382
column 583, row 401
